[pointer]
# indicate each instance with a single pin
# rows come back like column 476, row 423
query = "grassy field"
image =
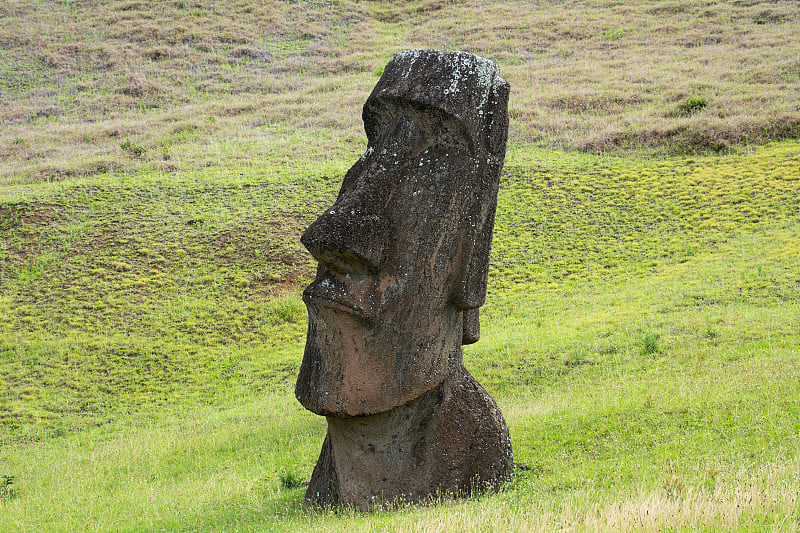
column 158, row 162
column 92, row 87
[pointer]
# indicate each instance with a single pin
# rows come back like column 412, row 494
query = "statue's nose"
column 345, row 240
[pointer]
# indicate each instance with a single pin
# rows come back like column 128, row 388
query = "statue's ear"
column 471, row 322
column 471, row 283
column 477, row 225
column 476, row 232
column 476, row 242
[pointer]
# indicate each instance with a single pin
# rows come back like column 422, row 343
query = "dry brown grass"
column 79, row 78
column 740, row 502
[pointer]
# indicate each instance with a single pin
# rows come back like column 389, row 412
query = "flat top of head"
column 459, row 66
column 461, row 85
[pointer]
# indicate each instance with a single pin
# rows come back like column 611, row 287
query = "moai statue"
column 403, row 260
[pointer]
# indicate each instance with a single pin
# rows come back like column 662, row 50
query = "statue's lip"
column 330, row 294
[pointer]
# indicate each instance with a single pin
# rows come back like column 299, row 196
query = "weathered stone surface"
column 403, row 260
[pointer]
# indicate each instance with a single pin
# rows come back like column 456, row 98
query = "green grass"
column 154, row 288
column 662, row 387
column 693, row 436
column 158, row 164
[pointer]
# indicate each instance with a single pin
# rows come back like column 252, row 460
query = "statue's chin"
column 351, row 368
column 327, row 401
column 357, row 390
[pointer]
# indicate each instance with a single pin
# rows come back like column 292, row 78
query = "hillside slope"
column 123, row 291
column 89, row 87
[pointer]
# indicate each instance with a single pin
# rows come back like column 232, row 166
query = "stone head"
column 403, row 252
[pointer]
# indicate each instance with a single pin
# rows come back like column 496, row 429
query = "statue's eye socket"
column 444, row 129
column 452, row 133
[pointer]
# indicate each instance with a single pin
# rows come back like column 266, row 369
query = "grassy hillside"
column 648, row 372
column 90, row 87
column 158, row 162
column 154, row 288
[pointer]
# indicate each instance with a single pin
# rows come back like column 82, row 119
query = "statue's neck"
column 443, row 442
column 382, row 456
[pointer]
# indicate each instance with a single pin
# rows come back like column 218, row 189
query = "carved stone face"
column 397, row 249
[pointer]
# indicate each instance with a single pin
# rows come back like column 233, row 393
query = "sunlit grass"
column 189, row 278
column 198, row 430
column 692, row 437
